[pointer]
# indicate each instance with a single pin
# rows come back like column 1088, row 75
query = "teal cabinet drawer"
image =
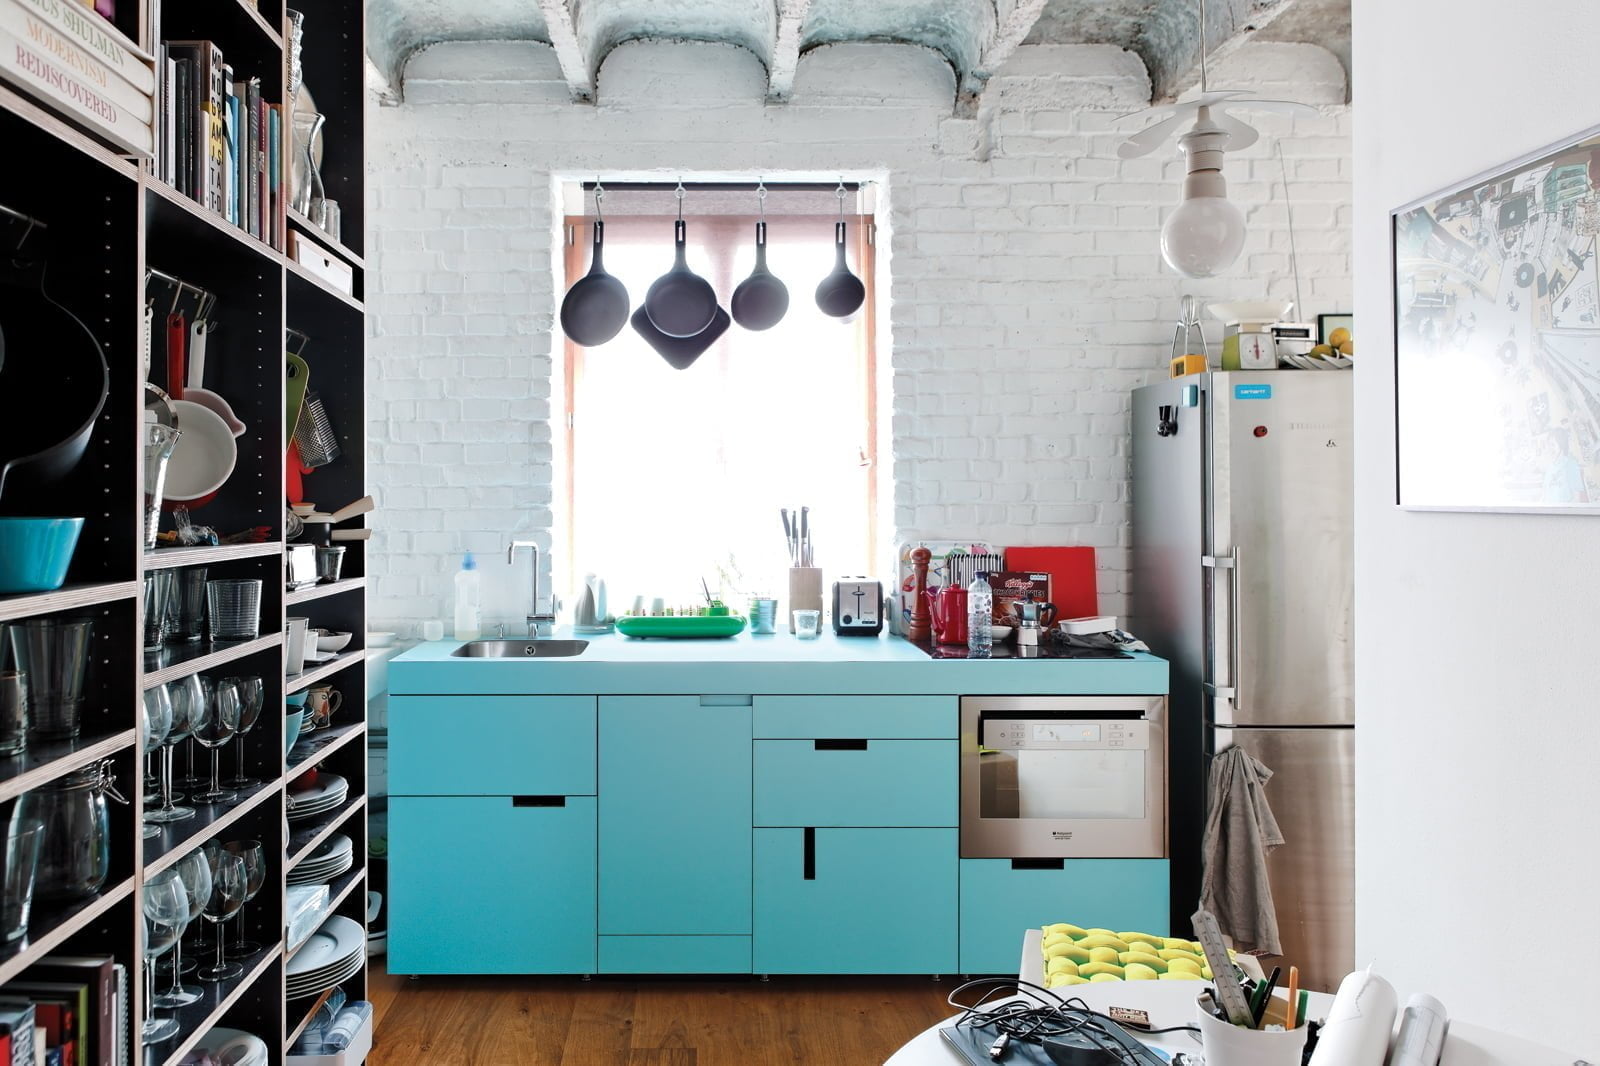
column 674, row 954
column 808, row 717
column 674, row 816
column 855, row 901
column 854, row 782
column 491, row 745
column 1000, row 902
column 483, row 885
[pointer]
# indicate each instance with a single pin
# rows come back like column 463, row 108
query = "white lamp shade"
column 1203, row 236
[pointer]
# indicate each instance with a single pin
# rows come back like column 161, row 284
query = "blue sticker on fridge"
column 1252, row 392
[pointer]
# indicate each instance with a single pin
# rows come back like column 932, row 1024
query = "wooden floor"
column 547, row 1021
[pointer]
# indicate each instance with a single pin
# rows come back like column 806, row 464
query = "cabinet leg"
column 588, row 977
column 938, row 978
column 765, row 977
column 413, row 977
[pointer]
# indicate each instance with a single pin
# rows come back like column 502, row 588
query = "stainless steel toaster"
column 857, row 607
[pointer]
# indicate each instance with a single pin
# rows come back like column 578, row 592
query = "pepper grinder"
column 920, row 627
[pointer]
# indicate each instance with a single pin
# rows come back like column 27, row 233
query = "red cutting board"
column 1072, row 577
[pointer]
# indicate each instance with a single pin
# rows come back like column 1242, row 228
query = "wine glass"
column 193, row 781
column 217, row 729
column 253, row 695
column 255, row 865
column 166, row 912
column 157, row 723
column 194, row 872
column 229, row 882
column 185, row 705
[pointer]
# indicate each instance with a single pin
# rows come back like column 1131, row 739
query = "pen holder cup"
column 1232, row 1045
column 805, row 591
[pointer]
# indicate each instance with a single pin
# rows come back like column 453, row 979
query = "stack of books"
column 68, row 1010
column 219, row 143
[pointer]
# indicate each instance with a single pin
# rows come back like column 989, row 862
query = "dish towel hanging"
column 1240, row 832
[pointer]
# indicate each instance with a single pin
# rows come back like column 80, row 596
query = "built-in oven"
column 1063, row 776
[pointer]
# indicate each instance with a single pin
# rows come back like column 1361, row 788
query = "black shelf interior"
column 333, row 60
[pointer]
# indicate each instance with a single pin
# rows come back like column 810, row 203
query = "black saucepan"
column 840, row 293
column 681, row 352
column 680, row 302
column 761, row 300
column 596, row 307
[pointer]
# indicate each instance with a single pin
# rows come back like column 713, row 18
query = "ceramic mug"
column 323, row 701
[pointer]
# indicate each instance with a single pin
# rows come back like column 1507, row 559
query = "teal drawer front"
column 891, row 783
column 491, row 745
column 876, row 901
column 674, row 954
column 480, row 885
column 999, row 903
column 674, row 816
column 808, row 717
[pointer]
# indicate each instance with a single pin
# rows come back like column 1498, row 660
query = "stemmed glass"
column 193, row 781
column 255, row 866
column 229, row 883
column 252, row 695
column 220, row 724
column 194, row 872
column 188, row 700
column 166, row 912
column 157, row 723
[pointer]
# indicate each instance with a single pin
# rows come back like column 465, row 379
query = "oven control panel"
column 1013, row 734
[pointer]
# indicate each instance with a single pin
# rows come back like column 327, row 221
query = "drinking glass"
column 159, row 441
column 157, row 724
column 218, row 727
column 13, row 710
column 807, row 624
column 188, row 615
column 166, row 913
column 54, row 653
column 186, row 705
column 229, row 883
column 16, row 879
column 255, row 868
column 194, row 871
column 193, row 780
column 235, row 608
column 159, row 588
column 252, row 696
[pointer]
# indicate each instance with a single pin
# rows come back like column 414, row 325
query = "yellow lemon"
column 1339, row 336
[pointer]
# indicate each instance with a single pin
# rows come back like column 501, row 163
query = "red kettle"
column 948, row 610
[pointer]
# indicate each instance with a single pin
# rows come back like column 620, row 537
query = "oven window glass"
column 1062, row 784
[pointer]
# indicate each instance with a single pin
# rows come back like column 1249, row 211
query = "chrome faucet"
column 534, row 617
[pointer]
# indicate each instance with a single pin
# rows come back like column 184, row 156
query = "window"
column 677, row 475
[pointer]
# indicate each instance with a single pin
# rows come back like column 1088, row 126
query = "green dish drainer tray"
column 682, row 625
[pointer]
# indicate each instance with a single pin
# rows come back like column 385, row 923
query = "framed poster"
column 1497, row 338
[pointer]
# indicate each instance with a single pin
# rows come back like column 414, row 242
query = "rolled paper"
column 1359, row 1024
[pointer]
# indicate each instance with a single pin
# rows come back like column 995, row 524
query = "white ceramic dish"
column 328, row 787
column 1000, row 633
column 334, row 942
column 205, row 454
column 235, row 1047
column 380, row 639
column 329, row 640
column 1251, row 310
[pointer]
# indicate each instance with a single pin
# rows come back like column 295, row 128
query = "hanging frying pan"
column 681, row 352
column 680, row 302
column 206, row 452
column 841, row 293
column 596, row 307
column 761, row 300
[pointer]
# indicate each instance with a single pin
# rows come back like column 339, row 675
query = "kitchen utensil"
column 255, row 868
column 234, row 607
column 841, row 293
column 188, row 606
column 188, row 705
column 13, row 709
column 761, row 300
column 194, row 390
column 947, row 612
column 1248, row 345
column 1072, row 575
column 300, row 564
column 206, row 451
column 331, row 640
column 194, row 870
column 596, row 307
column 1000, row 634
column 291, row 728
column 680, row 352
column 54, row 654
column 1030, row 617
column 160, row 588
column 683, row 625
column 159, row 442
column 294, row 655
column 763, row 615
column 314, row 434
column 805, row 590
column 35, row 553
column 230, row 880
column 330, row 561
column 75, row 845
column 21, row 859
column 590, row 615
column 326, row 216
column 858, row 607
column 324, row 702
column 212, row 732
column 164, row 910
column 807, row 624
column 680, row 302
column 297, row 378
column 67, row 381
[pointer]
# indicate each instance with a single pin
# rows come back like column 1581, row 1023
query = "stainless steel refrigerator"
column 1242, row 579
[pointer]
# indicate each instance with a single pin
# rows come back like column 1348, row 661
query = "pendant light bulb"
column 1205, row 233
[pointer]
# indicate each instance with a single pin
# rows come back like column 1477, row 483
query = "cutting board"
column 1072, row 576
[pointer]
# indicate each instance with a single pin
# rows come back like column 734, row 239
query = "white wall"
column 1027, row 297
column 1476, row 670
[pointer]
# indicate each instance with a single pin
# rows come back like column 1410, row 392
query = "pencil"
column 1294, row 996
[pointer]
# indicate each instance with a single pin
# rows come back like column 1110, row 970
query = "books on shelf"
column 79, row 1011
column 77, row 62
column 219, row 140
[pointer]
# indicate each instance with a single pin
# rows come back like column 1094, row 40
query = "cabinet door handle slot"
column 1038, row 864
column 538, row 801
column 839, row 745
column 810, row 853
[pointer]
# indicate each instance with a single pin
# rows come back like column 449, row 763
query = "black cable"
column 1038, row 1013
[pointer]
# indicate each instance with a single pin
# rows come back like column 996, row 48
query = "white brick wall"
column 1027, row 296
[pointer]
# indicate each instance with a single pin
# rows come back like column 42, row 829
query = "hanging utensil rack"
column 32, row 223
column 291, row 337
column 205, row 300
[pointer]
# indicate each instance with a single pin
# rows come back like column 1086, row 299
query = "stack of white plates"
column 332, row 954
column 332, row 858
column 330, row 791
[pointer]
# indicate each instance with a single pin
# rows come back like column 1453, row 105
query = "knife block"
column 805, row 591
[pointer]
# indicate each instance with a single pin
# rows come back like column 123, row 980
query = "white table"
column 1172, row 1003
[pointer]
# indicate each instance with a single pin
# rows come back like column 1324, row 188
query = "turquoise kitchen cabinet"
column 1002, row 898
column 491, row 745
column 855, row 901
column 674, row 954
column 909, row 717
column 674, row 834
column 856, row 782
column 491, row 884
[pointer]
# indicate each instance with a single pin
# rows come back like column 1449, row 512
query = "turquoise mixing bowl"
column 35, row 553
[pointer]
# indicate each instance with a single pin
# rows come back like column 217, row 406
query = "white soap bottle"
column 469, row 622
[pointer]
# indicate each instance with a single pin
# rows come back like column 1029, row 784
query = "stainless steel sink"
column 521, row 649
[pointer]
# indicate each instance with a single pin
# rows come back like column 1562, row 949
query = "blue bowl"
column 35, row 553
column 297, row 699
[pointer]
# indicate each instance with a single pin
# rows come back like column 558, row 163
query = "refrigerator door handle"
column 1234, row 690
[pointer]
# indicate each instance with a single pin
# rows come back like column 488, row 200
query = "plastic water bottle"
column 469, row 623
column 980, row 614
